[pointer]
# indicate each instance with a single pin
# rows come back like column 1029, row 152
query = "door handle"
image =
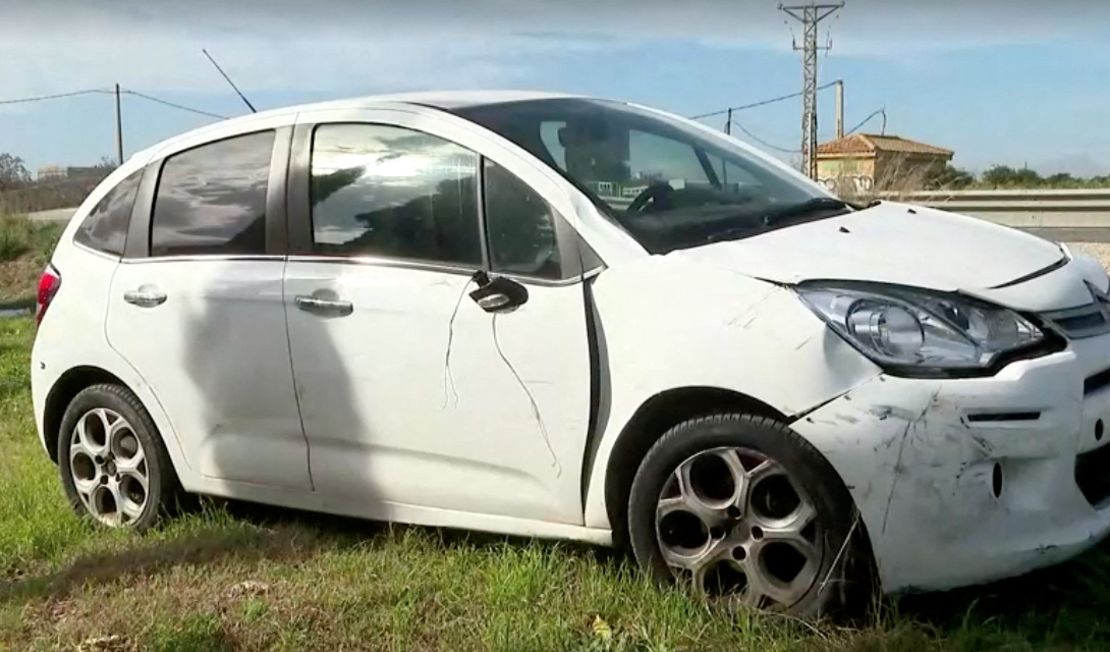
column 498, row 294
column 328, row 307
column 494, row 302
column 145, row 297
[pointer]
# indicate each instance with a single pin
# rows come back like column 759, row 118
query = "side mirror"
column 498, row 294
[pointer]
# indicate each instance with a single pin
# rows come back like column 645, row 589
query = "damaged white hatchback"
column 564, row 317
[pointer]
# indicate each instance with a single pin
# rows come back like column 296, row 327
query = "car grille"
column 1092, row 474
column 1077, row 323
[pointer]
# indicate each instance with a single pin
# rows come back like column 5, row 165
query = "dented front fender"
column 665, row 324
column 969, row 480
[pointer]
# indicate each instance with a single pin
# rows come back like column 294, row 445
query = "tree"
column 949, row 177
column 1061, row 178
column 12, row 172
column 1004, row 176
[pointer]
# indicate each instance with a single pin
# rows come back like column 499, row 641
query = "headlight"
column 918, row 330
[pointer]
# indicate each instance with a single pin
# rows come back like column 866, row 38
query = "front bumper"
column 965, row 481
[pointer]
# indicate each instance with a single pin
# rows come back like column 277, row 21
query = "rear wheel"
column 113, row 464
column 744, row 509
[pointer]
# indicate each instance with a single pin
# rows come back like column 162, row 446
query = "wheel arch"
column 652, row 419
column 664, row 410
column 61, row 394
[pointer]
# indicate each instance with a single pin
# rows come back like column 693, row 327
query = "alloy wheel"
column 735, row 523
column 108, row 467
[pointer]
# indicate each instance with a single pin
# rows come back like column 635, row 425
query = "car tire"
column 721, row 501
column 115, row 469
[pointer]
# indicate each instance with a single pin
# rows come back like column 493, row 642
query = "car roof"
column 446, row 100
column 458, row 99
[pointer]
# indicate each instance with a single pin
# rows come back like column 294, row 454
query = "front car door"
column 411, row 393
column 196, row 307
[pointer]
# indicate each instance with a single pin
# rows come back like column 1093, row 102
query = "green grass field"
column 24, row 251
column 233, row 576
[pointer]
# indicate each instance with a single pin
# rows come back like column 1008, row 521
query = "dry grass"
column 25, row 248
column 45, row 195
column 1099, row 250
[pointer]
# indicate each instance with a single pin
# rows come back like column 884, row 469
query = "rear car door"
column 412, row 394
column 196, row 307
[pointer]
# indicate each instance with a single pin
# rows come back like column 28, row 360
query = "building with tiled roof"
column 869, row 160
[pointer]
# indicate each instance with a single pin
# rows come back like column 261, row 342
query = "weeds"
column 25, row 248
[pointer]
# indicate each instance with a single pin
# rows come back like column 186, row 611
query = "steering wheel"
column 654, row 191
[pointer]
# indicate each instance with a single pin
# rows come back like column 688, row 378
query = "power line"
column 755, row 104
column 39, row 98
column 763, row 142
column 109, row 91
column 173, row 104
column 874, row 113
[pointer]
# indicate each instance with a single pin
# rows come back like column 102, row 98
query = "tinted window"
column 665, row 181
column 105, row 228
column 387, row 191
column 521, row 226
column 212, row 199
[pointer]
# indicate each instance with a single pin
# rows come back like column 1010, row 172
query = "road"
column 54, row 215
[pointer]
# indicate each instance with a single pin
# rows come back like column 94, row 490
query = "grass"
column 231, row 576
column 25, row 248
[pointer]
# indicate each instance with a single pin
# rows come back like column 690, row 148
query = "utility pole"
column 809, row 16
column 728, row 123
column 119, row 129
column 839, row 109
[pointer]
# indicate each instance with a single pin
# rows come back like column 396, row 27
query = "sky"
column 1012, row 82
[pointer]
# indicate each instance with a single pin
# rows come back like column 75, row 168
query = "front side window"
column 521, row 226
column 667, row 183
column 105, row 228
column 212, row 199
column 380, row 190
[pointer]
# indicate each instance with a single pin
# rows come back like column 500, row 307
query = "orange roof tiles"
column 872, row 143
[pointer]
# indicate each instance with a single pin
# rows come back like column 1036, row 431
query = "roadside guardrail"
column 1026, row 209
column 1021, row 208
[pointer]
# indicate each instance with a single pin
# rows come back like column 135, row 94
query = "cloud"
column 362, row 47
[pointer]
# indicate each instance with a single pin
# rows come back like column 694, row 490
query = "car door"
column 411, row 392
column 196, row 307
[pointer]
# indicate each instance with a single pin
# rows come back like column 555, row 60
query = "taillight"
column 49, row 283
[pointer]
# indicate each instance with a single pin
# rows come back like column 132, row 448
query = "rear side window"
column 521, row 227
column 388, row 191
column 212, row 199
column 105, row 227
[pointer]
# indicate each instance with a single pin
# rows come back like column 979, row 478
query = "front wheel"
column 113, row 464
column 746, row 510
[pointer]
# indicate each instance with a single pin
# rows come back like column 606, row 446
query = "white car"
column 565, row 317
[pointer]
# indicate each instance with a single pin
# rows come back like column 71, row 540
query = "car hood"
column 889, row 243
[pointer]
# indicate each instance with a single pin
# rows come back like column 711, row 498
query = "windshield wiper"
column 813, row 205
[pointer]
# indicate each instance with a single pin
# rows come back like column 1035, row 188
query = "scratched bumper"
column 951, row 497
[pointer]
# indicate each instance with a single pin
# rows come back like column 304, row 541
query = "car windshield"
column 665, row 182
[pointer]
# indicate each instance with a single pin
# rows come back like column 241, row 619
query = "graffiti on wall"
column 857, row 183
